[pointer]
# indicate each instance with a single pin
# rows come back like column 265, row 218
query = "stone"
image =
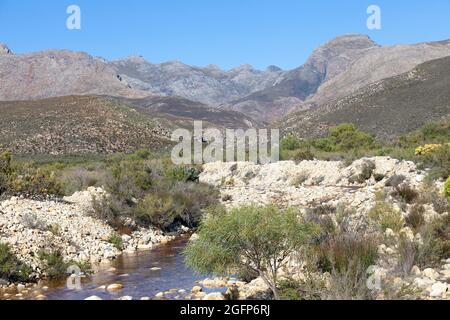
column 196, row 289
column 416, row 271
column 126, row 298
column 389, row 233
column 155, row 269
column 20, row 287
column 423, row 283
column 41, row 297
column 145, row 299
column 438, row 289
column 215, row 296
column 445, row 273
column 93, row 298
column 159, row 295
column 430, row 273
column 114, row 287
column 213, row 283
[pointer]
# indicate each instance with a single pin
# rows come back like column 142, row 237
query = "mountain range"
column 386, row 90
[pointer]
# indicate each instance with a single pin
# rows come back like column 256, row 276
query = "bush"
column 405, row 193
column 436, row 243
column 300, row 179
column 185, row 174
column 32, row 221
column 35, row 180
column 447, row 189
column 109, row 209
column 11, row 268
column 395, row 181
column 302, row 155
column 415, row 218
column 345, row 137
column 76, row 179
column 5, row 171
column 407, row 254
column 291, row 143
column 56, row 268
column 181, row 202
column 386, row 216
column 54, row 265
column 258, row 238
column 311, row 287
column 347, row 257
column 116, row 241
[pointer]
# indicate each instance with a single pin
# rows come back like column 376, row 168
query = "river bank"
column 68, row 227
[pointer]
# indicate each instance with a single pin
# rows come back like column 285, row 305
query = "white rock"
column 416, row 271
column 214, row 296
column 114, row 287
column 430, row 273
column 438, row 289
column 93, row 298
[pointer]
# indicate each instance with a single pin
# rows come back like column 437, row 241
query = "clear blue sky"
column 226, row 32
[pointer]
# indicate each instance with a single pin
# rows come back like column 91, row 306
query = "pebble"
column 93, row 298
column 196, row 289
column 114, row 287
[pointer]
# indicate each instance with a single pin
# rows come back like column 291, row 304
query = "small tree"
column 261, row 239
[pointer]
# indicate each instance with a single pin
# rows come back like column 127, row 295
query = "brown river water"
column 134, row 272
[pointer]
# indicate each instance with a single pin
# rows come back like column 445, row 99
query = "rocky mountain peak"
column 4, row 50
column 355, row 39
column 136, row 59
column 274, row 69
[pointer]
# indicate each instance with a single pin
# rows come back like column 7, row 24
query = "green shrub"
column 11, row 268
column 116, row 241
column 54, row 265
column 185, row 174
column 291, row 143
column 258, row 238
column 386, row 216
column 181, row 202
column 5, row 171
column 447, row 189
column 34, row 180
column 309, row 288
column 345, row 137
column 302, row 155
column 56, row 268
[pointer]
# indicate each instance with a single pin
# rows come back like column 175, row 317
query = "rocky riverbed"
column 67, row 226
column 319, row 187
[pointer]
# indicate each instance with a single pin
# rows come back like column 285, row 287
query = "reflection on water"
column 143, row 274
